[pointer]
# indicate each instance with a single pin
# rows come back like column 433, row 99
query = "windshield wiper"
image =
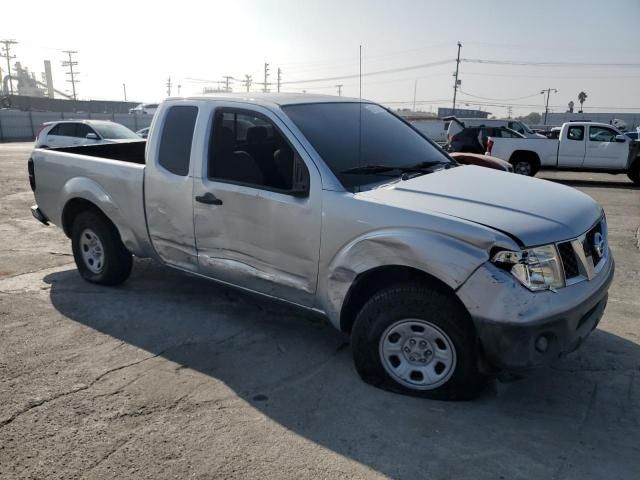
column 373, row 169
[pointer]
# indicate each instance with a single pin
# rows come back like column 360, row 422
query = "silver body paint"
column 308, row 251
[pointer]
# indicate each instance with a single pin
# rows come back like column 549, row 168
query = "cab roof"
column 270, row 99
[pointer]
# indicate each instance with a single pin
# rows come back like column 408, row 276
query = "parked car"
column 443, row 274
column 144, row 109
column 433, row 128
column 474, row 139
column 481, row 161
column 67, row 133
column 143, row 132
column 581, row 146
column 457, row 124
column 554, row 133
column 632, row 135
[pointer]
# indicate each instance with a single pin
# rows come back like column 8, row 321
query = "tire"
column 98, row 251
column 634, row 173
column 524, row 166
column 406, row 308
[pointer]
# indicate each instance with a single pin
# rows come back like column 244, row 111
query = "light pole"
column 546, row 108
column 124, row 88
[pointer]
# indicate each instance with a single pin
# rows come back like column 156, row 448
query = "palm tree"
column 582, row 96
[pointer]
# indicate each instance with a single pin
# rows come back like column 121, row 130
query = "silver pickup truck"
column 444, row 274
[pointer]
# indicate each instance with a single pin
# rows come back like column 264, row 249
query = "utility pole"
column 6, row 53
column 266, row 77
column 279, row 78
column 124, row 88
column 227, row 88
column 340, row 89
column 546, row 108
column 71, row 63
column 509, row 111
column 457, row 82
column 248, row 80
column 179, row 87
column 168, row 87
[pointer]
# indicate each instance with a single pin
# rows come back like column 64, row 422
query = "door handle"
column 208, row 198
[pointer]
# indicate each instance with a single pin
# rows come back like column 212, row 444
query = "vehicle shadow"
column 583, row 414
column 594, row 183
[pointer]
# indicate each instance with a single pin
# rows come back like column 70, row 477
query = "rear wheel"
column 523, row 166
column 419, row 341
column 98, row 251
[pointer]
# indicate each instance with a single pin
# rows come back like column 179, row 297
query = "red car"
column 481, row 160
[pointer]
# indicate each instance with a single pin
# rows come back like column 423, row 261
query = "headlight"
column 536, row 268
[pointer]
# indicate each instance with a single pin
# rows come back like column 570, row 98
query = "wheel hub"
column 92, row 250
column 417, row 353
column 417, row 350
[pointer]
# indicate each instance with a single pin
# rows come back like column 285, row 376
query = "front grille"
column 569, row 261
column 583, row 257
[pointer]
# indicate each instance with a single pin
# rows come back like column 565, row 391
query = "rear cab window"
column 177, row 136
column 575, row 133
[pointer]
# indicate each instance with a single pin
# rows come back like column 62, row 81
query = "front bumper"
column 510, row 319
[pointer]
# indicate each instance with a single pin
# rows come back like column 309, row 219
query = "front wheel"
column 98, row 251
column 419, row 341
column 634, row 173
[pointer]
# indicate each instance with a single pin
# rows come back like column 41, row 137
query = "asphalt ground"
column 170, row 376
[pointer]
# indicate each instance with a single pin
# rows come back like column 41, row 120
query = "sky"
column 143, row 43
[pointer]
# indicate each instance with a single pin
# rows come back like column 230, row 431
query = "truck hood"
column 534, row 211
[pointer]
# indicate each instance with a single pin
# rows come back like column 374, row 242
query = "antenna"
column 360, row 117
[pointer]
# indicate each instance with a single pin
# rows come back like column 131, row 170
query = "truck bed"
column 113, row 182
column 131, row 152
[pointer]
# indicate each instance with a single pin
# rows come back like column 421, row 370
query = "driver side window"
column 248, row 149
column 601, row 134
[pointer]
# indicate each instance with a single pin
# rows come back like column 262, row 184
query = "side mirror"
column 621, row 138
column 92, row 136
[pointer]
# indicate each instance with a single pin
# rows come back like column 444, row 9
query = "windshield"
column 388, row 146
column 526, row 128
column 115, row 131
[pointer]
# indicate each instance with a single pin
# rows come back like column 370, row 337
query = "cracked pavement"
column 171, row 376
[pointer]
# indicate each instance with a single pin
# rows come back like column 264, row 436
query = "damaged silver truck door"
column 257, row 209
column 168, row 188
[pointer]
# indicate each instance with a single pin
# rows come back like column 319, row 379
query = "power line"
column 549, row 64
column 369, row 74
column 500, row 99
column 71, row 63
column 6, row 53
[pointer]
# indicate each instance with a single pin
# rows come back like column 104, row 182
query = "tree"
column 582, row 96
column 533, row 118
column 570, row 105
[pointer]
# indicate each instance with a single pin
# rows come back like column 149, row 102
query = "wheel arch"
column 370, row 282
column 403, row 253
column 74, row 207
column 526, row 154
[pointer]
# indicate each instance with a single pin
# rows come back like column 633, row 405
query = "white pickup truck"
column 444, row 274
column 581, row 146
